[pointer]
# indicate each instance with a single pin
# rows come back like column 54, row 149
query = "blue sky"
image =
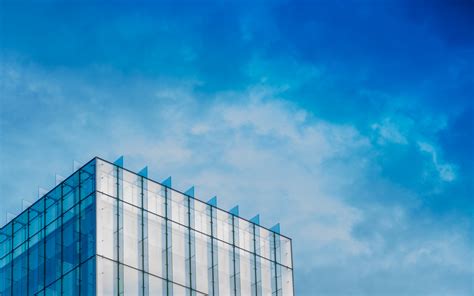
column 350, row 122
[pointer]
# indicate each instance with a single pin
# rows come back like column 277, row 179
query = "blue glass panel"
column 88, row 226
column 88, row 179
column 20, row 268
column 70, row 239
column 53, row 212
column 53, row 197
column 36, row 221
column 88, row 277
column 6, row 239
column 71, row 283
column 54, row 289
column 19, row 237
column 36, row 263
column 53, row 252
column 5, row 275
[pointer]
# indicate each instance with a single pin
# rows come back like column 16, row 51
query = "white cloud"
column 446, row 171
column 264, row 153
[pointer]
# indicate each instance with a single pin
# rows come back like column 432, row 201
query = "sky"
column 349, row 122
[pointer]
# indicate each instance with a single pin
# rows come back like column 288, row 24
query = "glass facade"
column 108, row 231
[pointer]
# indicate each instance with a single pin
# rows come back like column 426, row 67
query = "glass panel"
column 156, row 198
column 71, row 282
column 88, row 179
column 131, row 284
column 201, row 258
column 179, row 207
column 245, row 235
column 178, row 238
column 156, row 286
column 106, row 277
column 106, row 225
column 131, row 235
column 265, row 238
column 53, row 252
column 88, row 227
column 245, row 273
column 20, row 268
column 36, row 263
column 287, row 280
column 131, row 188
column 71, row 239
column 36, row 217
column 266, row 276
column 88, row 278
column 5, row 275
column 156, row 244
column 106, row 178
column 179, row 290
column 201, row 217
column 54, row 289
column 224, row 267
column 285, row 245
column 224, row 226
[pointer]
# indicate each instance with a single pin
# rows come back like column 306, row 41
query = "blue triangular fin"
column 234, row 211
column 144, row 172
column 276, row 228
column 119, row 161
column 256, row 219
column 213, row 201
column 190, row 191
column 167, row 182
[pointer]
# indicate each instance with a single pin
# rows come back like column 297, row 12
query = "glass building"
column 108, row 231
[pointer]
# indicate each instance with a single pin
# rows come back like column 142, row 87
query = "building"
column 108, row 231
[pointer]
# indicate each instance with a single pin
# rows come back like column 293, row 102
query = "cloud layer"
column 363, row 153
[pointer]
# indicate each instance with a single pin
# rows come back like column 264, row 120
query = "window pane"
column 106, row 178
column 131, row 235
column 156, row 245
column 178, row 253
column 131, row 284
column 106, row 225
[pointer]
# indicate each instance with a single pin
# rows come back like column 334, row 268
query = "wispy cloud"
column 349, row 124
column 263, row 152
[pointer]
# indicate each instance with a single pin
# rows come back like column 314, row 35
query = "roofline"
column 146, row 178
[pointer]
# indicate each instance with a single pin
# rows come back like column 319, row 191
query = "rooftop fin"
column 144, row 172
column 119, row 161
column 41, row 192
column 212, row 201
column 234, row 211
column 58, row 179
column 256, row 219
column 276, row 228
column 167, row 182
column 190, row 192
column 75, row 165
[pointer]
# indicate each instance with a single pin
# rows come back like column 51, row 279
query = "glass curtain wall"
column 108, row 231
column 49, row 249
column 153, row 240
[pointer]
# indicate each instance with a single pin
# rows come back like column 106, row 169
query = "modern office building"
column 108, row 231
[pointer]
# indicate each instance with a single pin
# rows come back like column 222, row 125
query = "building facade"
column 108, row 231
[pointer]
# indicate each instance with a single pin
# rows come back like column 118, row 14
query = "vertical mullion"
column 118, row 230
column 13, row 257
column 79, row 244
column 143, row 235
column 189, row 244
column 275, row 263
column 166, row 244
column 28, row 252
column 212, row 253
column 62, row 238
column 234, row 261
